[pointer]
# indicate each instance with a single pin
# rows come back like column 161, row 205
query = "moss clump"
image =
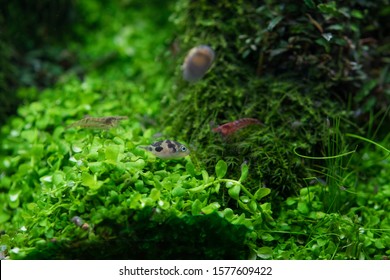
column 289, row 65
column 91, row 194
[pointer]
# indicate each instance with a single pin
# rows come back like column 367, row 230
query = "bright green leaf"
column 262, row 192
column 221, row 169
column 228, row 214
column 290, row 201
column 244, row 172
column 264, row 252
column 196, row 207
column 267, row 237
column 303, row 207
column 135, row 201
column 205, row 176
column 90, row 181
column 178, row 191
column 4, row 217
column 253, row 205
column 112, row 153
column 210, row 208
column 155, row 194
column 379, row 244
column 234, row 192
column 190, row 168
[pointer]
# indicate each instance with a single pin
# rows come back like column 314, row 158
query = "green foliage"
column 51, row 174
column 189, row 237
column 276, row 62
column 290, row 65
column 221, row 169
column 90, row 194
column 293, row 66
column 304, row 231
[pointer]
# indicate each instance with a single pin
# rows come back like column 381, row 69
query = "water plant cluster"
column 309, row 184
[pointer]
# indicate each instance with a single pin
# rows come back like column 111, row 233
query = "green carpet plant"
column 311, row 183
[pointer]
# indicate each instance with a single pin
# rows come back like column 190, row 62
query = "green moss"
column 270, row 65
column 91, row 194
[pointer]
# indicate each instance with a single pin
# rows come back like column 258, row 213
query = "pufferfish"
column 167, row 149
column 197, row 62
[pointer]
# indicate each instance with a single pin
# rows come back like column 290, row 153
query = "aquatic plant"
column 309, row 184
column 292, row 65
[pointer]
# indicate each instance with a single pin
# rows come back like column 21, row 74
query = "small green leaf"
column 112, row 153
column 96, row 166
column 37, row 151
column 234, row 192
column 138, row 164
column 322, row 42
column 216, row 187
column 373, row 220
column 310, row 4
column 139, row 186
column 90, row 181
column 267, row 237
column 190, row 168
column 4, row 217
column 135, row 201
column 29, row 135
column 365, row 90
column 229, row 185
column 178, row 191
column 197, row 189
column 322, row 242
column 228, row 214
column 328, row 8
column 244, row 199
column 221, row 169
column 379, row 244
column 274, row 22
column 210, row 208
column 357, row 14
column 58, row 178
column 155, row 194
column 290, row 201
column 302, row 207
column 266, row 207
column 244, row 172
column 253, row 205
column 262, row 192
column 264, row 252
column 205, row 176
column 196, row 207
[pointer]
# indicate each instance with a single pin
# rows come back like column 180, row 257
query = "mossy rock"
column 274, row 62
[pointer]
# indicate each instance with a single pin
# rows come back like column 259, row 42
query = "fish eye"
column 183, row 148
